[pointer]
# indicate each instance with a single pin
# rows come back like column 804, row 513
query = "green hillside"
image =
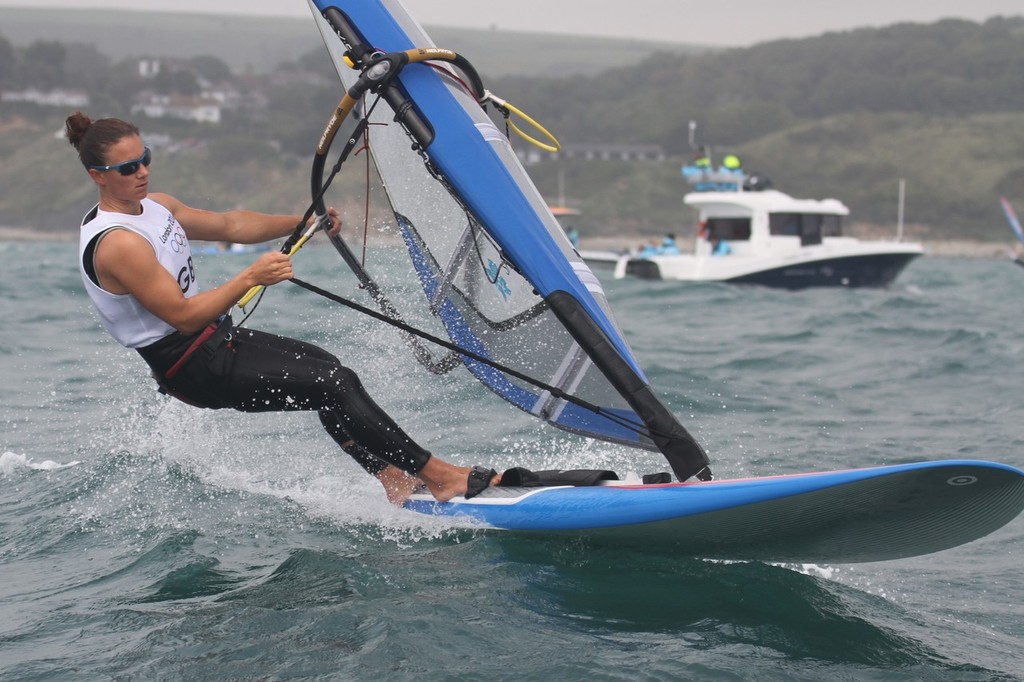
column 846, row 115
column 260, row 44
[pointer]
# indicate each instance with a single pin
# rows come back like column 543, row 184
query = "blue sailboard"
column 859, row 515
column 528, row 319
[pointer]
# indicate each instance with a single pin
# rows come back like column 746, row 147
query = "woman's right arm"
column 126, row 264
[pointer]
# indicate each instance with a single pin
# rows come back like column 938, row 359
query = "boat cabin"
column 758, row 222
column 749, row 233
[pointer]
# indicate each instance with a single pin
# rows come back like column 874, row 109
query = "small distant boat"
column 567, row 218
column 1011, row 217
column 605, row 259
column 749, row 235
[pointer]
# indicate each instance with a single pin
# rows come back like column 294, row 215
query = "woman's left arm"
column 238, row 226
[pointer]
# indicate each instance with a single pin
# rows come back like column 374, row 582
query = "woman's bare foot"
column 445, row 481
column 397, row 484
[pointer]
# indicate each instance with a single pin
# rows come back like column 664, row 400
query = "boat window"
column 730, row 229
column 787, row 224
column 831, row 226
column 810, row 227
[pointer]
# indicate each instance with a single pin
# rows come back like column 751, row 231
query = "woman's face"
column 112, row 183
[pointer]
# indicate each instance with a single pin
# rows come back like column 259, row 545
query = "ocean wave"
column 11, row 462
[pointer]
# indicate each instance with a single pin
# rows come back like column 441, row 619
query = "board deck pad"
column 859, row 515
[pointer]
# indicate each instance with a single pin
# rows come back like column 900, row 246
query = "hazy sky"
column 726, row 22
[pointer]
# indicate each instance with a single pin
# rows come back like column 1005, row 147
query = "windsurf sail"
column 494, row 265
column 1011, row 217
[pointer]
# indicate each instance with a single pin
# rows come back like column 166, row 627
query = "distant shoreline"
column 27, row 234
column 942, row 248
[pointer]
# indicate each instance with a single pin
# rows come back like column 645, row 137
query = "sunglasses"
column 129, row 167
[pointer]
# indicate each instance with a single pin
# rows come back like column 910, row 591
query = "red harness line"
column 193, row 347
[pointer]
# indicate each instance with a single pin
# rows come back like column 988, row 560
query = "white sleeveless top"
column 124, row 317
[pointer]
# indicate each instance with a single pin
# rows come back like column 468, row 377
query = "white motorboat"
column 769, row 238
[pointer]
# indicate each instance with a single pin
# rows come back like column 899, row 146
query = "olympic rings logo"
column 178, row 241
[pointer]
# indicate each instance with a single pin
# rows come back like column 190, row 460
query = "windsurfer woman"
column 137, row 267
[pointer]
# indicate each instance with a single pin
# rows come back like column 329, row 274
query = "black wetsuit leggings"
column 253, row 371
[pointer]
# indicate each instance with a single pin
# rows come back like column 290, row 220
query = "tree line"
column 782, row 105
column 951, row 67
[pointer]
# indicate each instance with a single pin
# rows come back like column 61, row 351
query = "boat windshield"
column 810, row 227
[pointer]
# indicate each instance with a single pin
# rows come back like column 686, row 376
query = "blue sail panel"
column 616, row 424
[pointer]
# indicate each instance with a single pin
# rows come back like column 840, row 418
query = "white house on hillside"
column 58, row 97
column 182, row 107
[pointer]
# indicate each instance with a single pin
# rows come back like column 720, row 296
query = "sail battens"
column 458, row 257
column 490, row 133
column 588, row 278
column 567, row 379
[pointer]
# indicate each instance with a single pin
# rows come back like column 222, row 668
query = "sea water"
column 144, row 539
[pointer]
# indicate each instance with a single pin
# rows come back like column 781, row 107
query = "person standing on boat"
column 668, row 246
column 698, row 172
column 136, row 264
column 574, row 237
column 731, row 167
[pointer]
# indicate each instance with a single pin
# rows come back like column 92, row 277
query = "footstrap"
column 519, row 477
column 479, row 480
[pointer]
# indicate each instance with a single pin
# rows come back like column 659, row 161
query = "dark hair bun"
column 75, row 127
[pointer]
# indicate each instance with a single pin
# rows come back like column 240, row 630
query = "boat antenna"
column 899, row 210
